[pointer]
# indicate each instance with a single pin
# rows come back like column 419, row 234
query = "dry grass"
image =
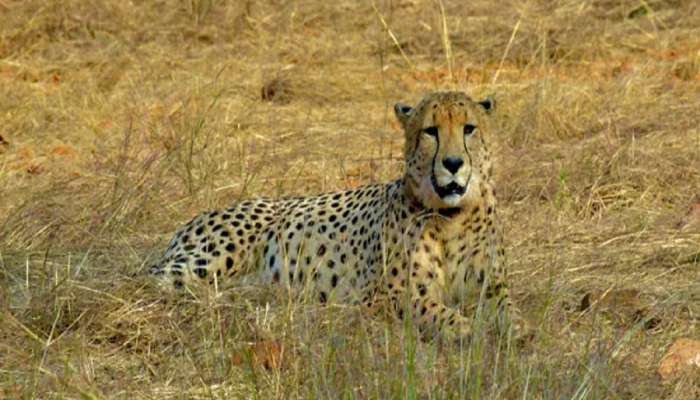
column 121, row 120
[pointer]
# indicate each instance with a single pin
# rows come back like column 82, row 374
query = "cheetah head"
column 446, row 156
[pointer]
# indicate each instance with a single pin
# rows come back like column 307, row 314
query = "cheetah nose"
column 452, row 164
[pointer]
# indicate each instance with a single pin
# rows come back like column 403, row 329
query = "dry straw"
column 119, row 121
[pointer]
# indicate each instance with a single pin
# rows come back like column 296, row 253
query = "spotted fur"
column 425, row 243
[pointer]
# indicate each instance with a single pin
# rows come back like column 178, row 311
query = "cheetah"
column 423, row 243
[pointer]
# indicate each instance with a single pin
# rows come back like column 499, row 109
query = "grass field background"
column 121, row 120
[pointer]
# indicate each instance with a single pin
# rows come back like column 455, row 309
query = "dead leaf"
column 624, row 304
column 34, row 169
column 268, row 354
column 64, row 151
column 611, row 299
column 683, row 356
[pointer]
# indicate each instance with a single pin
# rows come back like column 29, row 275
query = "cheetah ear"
column 403, row 113
column 488, row 104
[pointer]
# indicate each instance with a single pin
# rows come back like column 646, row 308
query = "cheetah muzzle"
column 453, row 189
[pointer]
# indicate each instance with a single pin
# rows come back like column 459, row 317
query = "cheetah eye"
column 431, row 131
column 469, row 129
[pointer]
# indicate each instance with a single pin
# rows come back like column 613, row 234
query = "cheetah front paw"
column 458, row 331
column 521, row 331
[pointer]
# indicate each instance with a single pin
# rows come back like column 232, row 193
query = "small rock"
column 681, row 357
column 3, row 144
column 691, row 218
column 277, row 90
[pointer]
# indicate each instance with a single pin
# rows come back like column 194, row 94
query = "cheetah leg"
column 489, row 263
column 431, row 315
column 497, row 296
column 420, row 283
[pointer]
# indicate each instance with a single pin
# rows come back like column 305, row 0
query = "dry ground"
column 120, row 120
